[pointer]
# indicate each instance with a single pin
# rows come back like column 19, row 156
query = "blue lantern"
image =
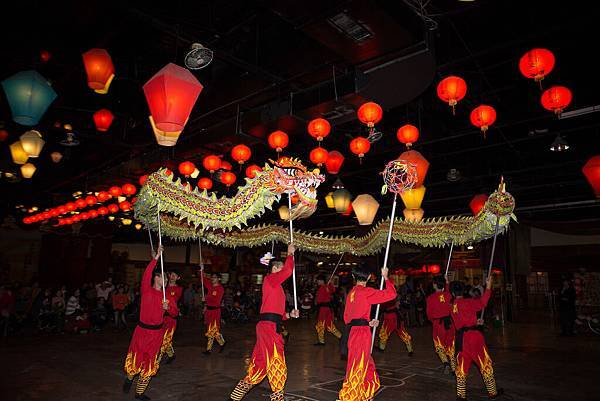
column 29, row 95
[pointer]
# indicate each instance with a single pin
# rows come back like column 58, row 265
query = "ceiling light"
column 338, row 184
column 319, row 263
column 320, row 232
column 76, row 194
column 470, row 247
column 138, row 226
column 34, row 208
column 559, row 144
column 453, row 175
column 126, row 222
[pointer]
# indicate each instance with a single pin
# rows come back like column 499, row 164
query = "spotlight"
column 559, row 144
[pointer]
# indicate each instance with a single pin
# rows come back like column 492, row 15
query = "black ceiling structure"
column 278, row 64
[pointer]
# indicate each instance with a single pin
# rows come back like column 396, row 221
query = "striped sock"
column 240, row 390
column 142, row 384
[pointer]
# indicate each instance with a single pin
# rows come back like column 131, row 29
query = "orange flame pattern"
column 357, row 386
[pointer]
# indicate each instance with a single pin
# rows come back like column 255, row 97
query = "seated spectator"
column 99, row 315
column 73, row 305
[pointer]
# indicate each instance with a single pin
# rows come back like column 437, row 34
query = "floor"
column 531, row 363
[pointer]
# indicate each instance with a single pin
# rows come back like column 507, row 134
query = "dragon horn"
column 502, row 186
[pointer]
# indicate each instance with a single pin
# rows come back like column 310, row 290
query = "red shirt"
column 214, row 293
column 464, row 310
column 173, row 294
column 273, row 297
column 324, row 293
column 151, row 311
column 438, row 305
column 360, row 299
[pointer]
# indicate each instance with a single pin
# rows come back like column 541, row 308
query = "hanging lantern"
column 138, row 226
column 186, row 168
column 556, row 99
column 241, row 153
column 195, row 173
column 319, row 156
column 80, row 203
column 29, row 95
column 56, row 157
column 125, row 206
column 536, row 64
column 252, row 170
column 27, row 170
column 93, row 214
column 228, row 178
column 54, row 212
column 477, row 203
column 414, row 215
column 334, row 162
column 370, row 113
column 319, row 128
column 128, row 189
column 482, row 117
column 77, row 218
column 143, row 179
column 62, row 209
column 45, row 55
column 113, row 208
column 365, row 207
column 212, row 163
column 32, row 143
column 413, row 198
column 329, row 200
column 451, row 90
column 348, row 211
column 284, row 212
column 103, row 196
column 71, row 206
column 111, row 218
column 591, row 171
column 102, row 211
column 278, row 140
column 433, row 269
column 164, row 138
column 205, row 183
column 115, row 191
column 18, row 154
column 407, row 134
column 91, row 200
column 103, row 118
column 225, row 165
column 421, row 164
column 99, row 69
column 171, row 94
column 359, row 146
column 3, row 135
column 341, row 200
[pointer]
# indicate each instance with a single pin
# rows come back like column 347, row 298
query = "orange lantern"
column 252, row 170
column 85, row 215
column 212, row 163
column 115, row 191
column 186, row 168
column 319, row 128
column 225, row 165
column 334, row 162
column 477, row 203
column 241, row 153
column 433, row 269
column 125, row 206
column 591, row 170
column 556, row 99
column 80, row 203
column 103, row 196
column 113, row 208
column 228, row 178
column 451, row 90
column 91, row 200
column 359, row 146
column 77, row 217
column 205, row 183
column 128, row 189
column 536, row 64
column 278, row 140
column 408, row 134
column 99, row 69
column 103, row 118
column 319, row 156
column 102, row 211
column 71, row 206
column 483, row 116
column 93, row 214
column 421, row 164
column 143, row 179
column 62, row 209
column 370, row 114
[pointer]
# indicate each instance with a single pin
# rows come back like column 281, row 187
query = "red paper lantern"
column 54, row 212
column 103, row 118
column 451, row 90
column 319, row 156
column 84, row 215
column 45, row 55
column 228, row 178
column 212, row 163
column 334, row 162
column 133, row 200
column 278, row 140
column 103, row 196
column 143, row 179
column 319, row 128
column 93, row 214
column 225, row 165
column 113, row 208
column 125, row 206
column 99, row 69
column 348, row 211
column 171, row 95
column 370, row 113
column 421, row 164
column 80, row 203
column 186, row 168
column 46, row 215
column 591, row 171
column 205, row 183
column 62, row 209
column 252, row 170
column 69, row 220
column 27, row 220
column 407, row 134
column 483, row 116
column 71, row 206
column 477, row 203
column 434, row 269
column 91, row 200
column 102, row 211
column 241, row 153
column 128, row 189
column 77, row 218
column 3, row 135
column 359, row 146
column 536, row 64
column 556, row 98
column 115, row 191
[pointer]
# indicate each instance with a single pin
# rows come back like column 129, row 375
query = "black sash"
column 212, row 307
column 346, row 334
column 272, row 317
column 446, row 320
column 150, row 326
column 458, row 342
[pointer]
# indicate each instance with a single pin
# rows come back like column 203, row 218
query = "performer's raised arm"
column 485, row 297
column 387, row 294
column 280, row 276
column 147, row 277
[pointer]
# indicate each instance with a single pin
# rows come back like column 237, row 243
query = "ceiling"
column 279, row 64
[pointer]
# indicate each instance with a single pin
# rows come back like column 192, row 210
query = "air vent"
column 350, row 27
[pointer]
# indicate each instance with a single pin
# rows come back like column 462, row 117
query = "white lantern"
column 341, row 200
column 365, row 207
column 27, row 170
column 195, row 174
column 18, row 154
column 56, row 157
column 32, row 143
column 284, row 213
column 164, row 138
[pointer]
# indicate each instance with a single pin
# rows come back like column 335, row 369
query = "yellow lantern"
column 414, row 215
column 164, row 138
column 138, row 226
column 126, row 222
column 111, row 218
column 27, row 170
column 284, row 213
column 341, row 200
column 18, row 154
column 32, row 143
column 413, row 197
column 56, row 157
column 329, row 200
column 365, row 207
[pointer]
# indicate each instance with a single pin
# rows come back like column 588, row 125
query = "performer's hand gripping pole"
column 201, row 263
column 291, row 242
column 162, row 266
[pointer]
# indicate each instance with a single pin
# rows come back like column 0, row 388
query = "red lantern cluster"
column 334, row 162
column 103, row 119
column 128, row 189
column 319, row 128
column 241, row 153
column 319, row 156
column 407, row 134
column 115, row 191
column 278, row 140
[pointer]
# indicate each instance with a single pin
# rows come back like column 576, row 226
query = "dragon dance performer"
column 325, row 317
column 438, row 312
column 391, row 326
column 268, row 358
column 144, row 350
column 361, row 381
column 470, row 344
column 212, row 315
column 173, row 293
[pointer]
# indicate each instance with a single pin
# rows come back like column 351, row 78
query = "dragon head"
column 292, row 177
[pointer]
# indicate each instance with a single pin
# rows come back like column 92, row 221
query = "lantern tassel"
column 291, row 242
column 162, row 266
